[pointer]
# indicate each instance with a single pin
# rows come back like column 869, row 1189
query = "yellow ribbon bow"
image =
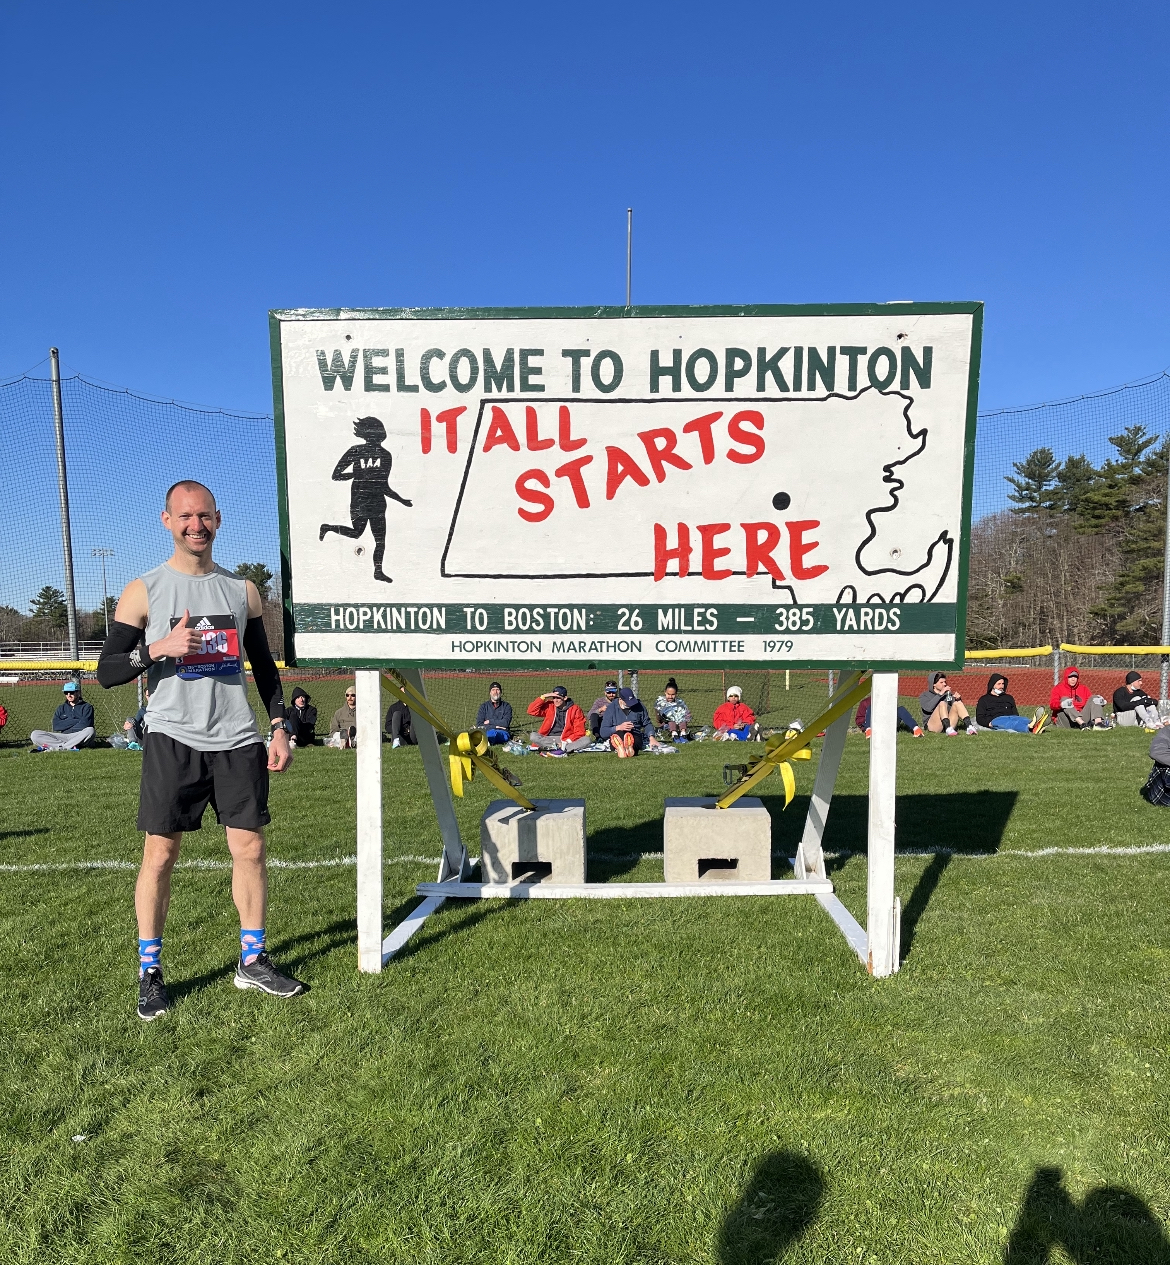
column 462, row 765
column 472, row 745
column 793, row 744
column 789, row 778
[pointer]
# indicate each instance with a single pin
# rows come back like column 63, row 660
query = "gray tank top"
column 201, row 700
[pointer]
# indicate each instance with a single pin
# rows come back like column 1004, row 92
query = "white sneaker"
column 972, row 730
column 396, row 743
column 952, row 732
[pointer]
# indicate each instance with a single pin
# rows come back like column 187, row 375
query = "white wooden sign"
column 774, row 486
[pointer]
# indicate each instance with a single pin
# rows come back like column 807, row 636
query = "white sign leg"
column 810, row 860
column 369, row 821
column 454, row 862
column 882, row 911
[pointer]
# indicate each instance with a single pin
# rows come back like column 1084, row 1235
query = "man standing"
column 188, row 624
column 72, row 724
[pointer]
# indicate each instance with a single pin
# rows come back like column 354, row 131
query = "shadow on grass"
column 23, row 834
column 618, row 849
column 961, row 821
column 781, row 1201
column 1112, row 1224
column 468, row 914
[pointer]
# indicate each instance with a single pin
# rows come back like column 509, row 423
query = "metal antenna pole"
column 1162, row 692
column 629, row 250
column 103, row 554
column 63, row 491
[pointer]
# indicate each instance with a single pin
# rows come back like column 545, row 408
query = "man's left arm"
column 267, row 679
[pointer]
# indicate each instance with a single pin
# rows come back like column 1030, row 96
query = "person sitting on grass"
column 672, row 711
column 302, row 716
column 495, row 716
column 135, row 726
column 596, row 713
column 1131, row 698
column 997, row 710
column 1074, row 705
column 72, row 724
column 942, row 709
column 905, row 720
column 734, row 720
column 398, row 726
column 626, row 725
column 562, row 726
column 343, row 726
column 1157, row 787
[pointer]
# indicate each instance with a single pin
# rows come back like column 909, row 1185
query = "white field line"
column 325, row 863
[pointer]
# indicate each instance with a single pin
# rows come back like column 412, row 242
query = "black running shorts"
column 179, row 782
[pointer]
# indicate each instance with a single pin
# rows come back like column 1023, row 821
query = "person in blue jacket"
column 626, row 726
column 72, row 724
column 495, row 716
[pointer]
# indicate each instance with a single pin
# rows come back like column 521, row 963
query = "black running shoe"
column 262, row 974
column 152, row 995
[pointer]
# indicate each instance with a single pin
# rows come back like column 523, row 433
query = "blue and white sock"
column 149, row 952
column 251, row 945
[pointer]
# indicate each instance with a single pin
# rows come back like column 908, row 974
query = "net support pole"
column 882, row 913
column 63, row 497
column 454, row 863
column 1163, row 693
column 369, row 820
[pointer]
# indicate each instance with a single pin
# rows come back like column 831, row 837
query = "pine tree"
column 259, row 574
column 1133, row 504
column 1074, row 478
column 49, row 604
column 1037, row 477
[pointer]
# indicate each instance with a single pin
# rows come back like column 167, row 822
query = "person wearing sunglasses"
column 597, row 711
column 343, row 726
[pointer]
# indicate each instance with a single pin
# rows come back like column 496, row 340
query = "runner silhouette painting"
column 368, row 466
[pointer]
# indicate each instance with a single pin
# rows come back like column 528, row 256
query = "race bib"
column 220, row 655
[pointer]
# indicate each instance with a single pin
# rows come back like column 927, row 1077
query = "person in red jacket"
column 1074, row 705
column 734, row 720
column 563, row 722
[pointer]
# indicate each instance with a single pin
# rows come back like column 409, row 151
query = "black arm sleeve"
column 264, row 671
column 122, row 658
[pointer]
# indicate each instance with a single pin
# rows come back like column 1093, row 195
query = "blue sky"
column 172, row 172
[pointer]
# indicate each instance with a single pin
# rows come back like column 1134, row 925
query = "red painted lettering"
column 424, row 425
column 711, row 555
column 449, row 417
column 759, row 552
column 500, row 431
column 701, row 426
column 662, row 555
column 797, row 549
column 621, row 466
column 532, row 432
column 564, row 431
column 571, row 470
column 737, row 435
column 534, row 496
column 660, row 448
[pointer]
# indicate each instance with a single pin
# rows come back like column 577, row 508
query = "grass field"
column 600, row 1081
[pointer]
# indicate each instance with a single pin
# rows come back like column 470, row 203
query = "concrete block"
column 705, row 844
column 520, row 846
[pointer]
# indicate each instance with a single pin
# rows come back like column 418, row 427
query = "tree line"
column 1078, row 554
column 47, row 618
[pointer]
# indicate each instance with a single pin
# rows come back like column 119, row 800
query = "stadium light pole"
column 630, row 252
column 103, row 554
column 63, row 493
